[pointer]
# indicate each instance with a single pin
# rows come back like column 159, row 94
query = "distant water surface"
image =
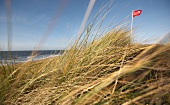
column 22, row 56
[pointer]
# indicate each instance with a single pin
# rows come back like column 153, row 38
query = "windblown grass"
column 108, row 70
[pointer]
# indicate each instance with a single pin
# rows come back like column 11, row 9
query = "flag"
column 136, row 13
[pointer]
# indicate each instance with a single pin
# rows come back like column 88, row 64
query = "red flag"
column 136, row 12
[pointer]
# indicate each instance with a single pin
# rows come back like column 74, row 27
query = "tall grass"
column 109, row 69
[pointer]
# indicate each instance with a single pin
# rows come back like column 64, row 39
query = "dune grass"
column 109, row 69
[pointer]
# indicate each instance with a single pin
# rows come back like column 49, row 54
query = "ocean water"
column 22, row 56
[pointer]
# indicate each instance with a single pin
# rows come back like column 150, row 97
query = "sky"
column 54, row 23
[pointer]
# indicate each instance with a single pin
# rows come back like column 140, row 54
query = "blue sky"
column 31, row 19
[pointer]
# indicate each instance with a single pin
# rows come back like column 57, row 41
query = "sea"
column 23, row 56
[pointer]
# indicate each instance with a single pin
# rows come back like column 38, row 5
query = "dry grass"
column 109, row 70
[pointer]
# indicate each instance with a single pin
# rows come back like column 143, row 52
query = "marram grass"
column 108, row 70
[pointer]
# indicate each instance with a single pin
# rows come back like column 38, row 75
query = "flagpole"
column 131, row 26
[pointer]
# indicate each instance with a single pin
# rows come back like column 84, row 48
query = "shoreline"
column 28, row 59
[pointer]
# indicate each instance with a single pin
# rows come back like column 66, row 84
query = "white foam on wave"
column 29, row 58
